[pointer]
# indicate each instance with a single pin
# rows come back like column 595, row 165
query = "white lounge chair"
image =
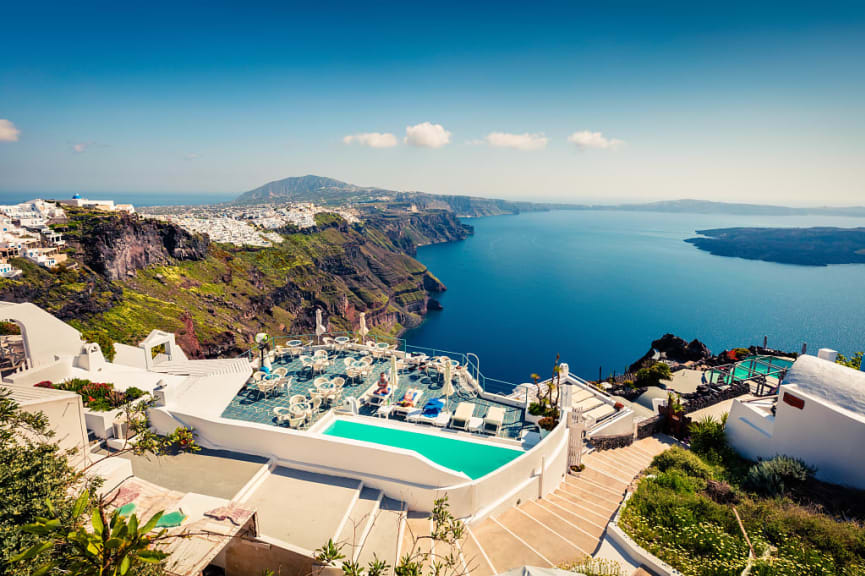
column 463, row 415
column 494, row 420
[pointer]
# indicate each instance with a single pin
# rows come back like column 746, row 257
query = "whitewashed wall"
column 827, row 437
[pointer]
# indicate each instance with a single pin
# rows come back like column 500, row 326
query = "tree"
column 854, row 361
column 106, row 545
column 33, row 471
column 41, row 518
column 652, row 375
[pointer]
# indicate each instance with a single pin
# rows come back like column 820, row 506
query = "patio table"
column 294, row 343
column 342, row 339
column 326, row 386
column 382, row 345
column 300, row 408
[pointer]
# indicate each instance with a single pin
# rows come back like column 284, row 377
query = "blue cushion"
column 434, row 403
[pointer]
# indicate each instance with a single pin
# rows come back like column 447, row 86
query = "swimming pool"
column 474, row 459
column 751, row 366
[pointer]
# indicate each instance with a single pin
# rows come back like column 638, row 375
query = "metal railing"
column 469, row 360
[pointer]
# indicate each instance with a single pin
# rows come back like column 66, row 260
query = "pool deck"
column 251, row 406
column 210, row 472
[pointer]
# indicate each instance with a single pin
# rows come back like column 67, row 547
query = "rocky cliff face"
column 118, row 246
column 134, row 275
column 410, row 230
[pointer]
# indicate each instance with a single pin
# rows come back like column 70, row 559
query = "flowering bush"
column 97, row 396
column 675, row 516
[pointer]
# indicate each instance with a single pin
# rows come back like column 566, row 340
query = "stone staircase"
column 565, row 526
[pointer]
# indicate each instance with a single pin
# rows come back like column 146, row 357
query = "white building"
column 107, row 205
column 7, row 270
column 818, row 417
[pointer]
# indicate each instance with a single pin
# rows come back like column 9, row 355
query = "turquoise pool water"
column 471, row 458
column 745, row 368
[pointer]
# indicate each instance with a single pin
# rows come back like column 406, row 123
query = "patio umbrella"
column 363, row 330
column 394, row 374
column 319, row 325
column 448, row 387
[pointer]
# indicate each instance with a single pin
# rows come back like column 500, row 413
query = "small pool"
column 753, row 365
column 474, row 459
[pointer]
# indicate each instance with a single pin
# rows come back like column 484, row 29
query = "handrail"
column 469, row 360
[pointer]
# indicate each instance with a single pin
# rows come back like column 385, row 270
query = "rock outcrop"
column 671, row 347
column 118, row 246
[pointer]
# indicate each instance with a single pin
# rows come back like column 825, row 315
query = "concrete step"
column 302, row 508
column 383, row 538
column 620, row 458
column 592, row 521
column 573, row 532
column 616, row 470
column 474, row 557
column 414, row 539
column 543, row 539
column 597, row 483
column 588, row 496
column 504, row 549
column 358, row 521
column 603, row 479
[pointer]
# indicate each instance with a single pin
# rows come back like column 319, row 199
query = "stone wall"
column 698, row 401
column 649, row 427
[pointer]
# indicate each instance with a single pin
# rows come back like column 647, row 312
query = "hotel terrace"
column 340, row 436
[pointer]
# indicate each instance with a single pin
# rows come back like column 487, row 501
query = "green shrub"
column 708, row 439
column 133, row 393
column 677, row 458
column 774, row 477
column 652, row 375
column 680, row 482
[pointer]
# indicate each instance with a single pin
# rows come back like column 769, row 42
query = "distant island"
column 329, row 191
column 819, row 246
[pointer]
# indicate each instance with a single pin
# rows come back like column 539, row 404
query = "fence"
column 469, row 360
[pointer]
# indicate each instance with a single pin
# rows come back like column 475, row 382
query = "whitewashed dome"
column 834, row 383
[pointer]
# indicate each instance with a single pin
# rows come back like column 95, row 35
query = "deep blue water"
column 598, row 287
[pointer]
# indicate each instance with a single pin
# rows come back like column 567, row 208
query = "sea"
column 596, row 287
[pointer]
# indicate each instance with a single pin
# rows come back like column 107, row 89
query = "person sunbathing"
column 383, row 385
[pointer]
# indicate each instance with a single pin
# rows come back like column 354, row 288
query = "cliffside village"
column 247, row 225
column 25, row 230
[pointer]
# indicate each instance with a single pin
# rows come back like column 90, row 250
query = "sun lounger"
column 493, row 420
column 409, row 401
column 379, row 396
column 462, row 416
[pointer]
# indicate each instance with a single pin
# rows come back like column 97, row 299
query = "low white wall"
column 637, row 553
column 129, row 355
column 821, row 434
column 401, row 474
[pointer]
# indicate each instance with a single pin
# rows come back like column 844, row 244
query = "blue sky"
column 576, row 101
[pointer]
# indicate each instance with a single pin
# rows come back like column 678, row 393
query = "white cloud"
column 80, row 147
column 372, row 139
column 427, row 135
column 192, row 156
column 588, row 140
column 524, row 141
column 8, row 131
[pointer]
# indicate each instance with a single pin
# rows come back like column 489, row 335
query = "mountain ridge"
column 330, row 191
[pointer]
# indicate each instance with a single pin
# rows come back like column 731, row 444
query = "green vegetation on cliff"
column 216, row 297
